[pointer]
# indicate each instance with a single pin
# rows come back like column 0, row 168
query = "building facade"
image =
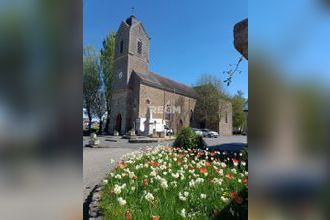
column 142, row 100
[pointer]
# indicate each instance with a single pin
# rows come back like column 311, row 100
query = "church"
column 143, row 101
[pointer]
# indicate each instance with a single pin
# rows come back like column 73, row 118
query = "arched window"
column 139, row 47
column 191, row 116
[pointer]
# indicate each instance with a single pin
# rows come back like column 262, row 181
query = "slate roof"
column 158, row 81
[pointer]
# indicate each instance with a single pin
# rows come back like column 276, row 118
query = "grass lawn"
column 172, row 183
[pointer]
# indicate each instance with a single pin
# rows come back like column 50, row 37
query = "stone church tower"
column 131, row 55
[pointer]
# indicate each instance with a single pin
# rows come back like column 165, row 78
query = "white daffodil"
column 149, row 197
column 183, row 213
column 182, row 197
column 118, row 176
column 117, row 189
column 199, row 180
column 121, row 201
column 217, row 181
column 153, row 173
column 175, row 175
column 203, row 196
column 174, row 184
column 192, row 183
column 164, row 184
column 224, row 199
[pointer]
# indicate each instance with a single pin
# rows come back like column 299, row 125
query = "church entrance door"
column 118, row 123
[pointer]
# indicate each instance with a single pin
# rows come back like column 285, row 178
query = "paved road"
column 96, row 161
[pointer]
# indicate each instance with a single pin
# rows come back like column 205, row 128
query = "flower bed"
column 168, row 183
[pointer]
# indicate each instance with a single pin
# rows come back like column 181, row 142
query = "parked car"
column 205, row 132
column 213, row 134
column 209, row 133
column 168, row 131
column 198, row 131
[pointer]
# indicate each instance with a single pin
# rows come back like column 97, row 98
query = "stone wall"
column 118, row 106
column 181, row 106
column 226, row 118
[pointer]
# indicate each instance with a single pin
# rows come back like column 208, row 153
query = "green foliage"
column 91, row 80
column 200, row 143
column 187, row 138
column 107, row 60
column 238, row 102
column 210, row 91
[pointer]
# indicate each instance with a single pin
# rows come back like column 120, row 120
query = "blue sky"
column 294, row 35
column 188, row 38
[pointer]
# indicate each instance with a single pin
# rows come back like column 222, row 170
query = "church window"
column 121, row 46
column 226, row 118
column 139, row 47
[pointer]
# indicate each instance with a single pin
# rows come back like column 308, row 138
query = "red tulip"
column 245, row 181
column 235, row 162
column 203, row 170
column 236, row 197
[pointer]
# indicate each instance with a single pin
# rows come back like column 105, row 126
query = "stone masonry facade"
column 144, row 101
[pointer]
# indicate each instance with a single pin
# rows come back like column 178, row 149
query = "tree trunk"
column 107, row 123
column 90, row 120
column 100, row 126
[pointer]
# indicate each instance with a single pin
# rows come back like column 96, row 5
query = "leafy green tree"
column 106, row 61
column 99, row 108
column 238, row 102
column 208, row 107
column 91, row 82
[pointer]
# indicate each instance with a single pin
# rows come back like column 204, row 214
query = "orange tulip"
column 229, row 176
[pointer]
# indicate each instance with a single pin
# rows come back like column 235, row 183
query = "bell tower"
column 131, row 52
column 131, row 55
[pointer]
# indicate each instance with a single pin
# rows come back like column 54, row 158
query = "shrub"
column 200, row 143
column 187, row 139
